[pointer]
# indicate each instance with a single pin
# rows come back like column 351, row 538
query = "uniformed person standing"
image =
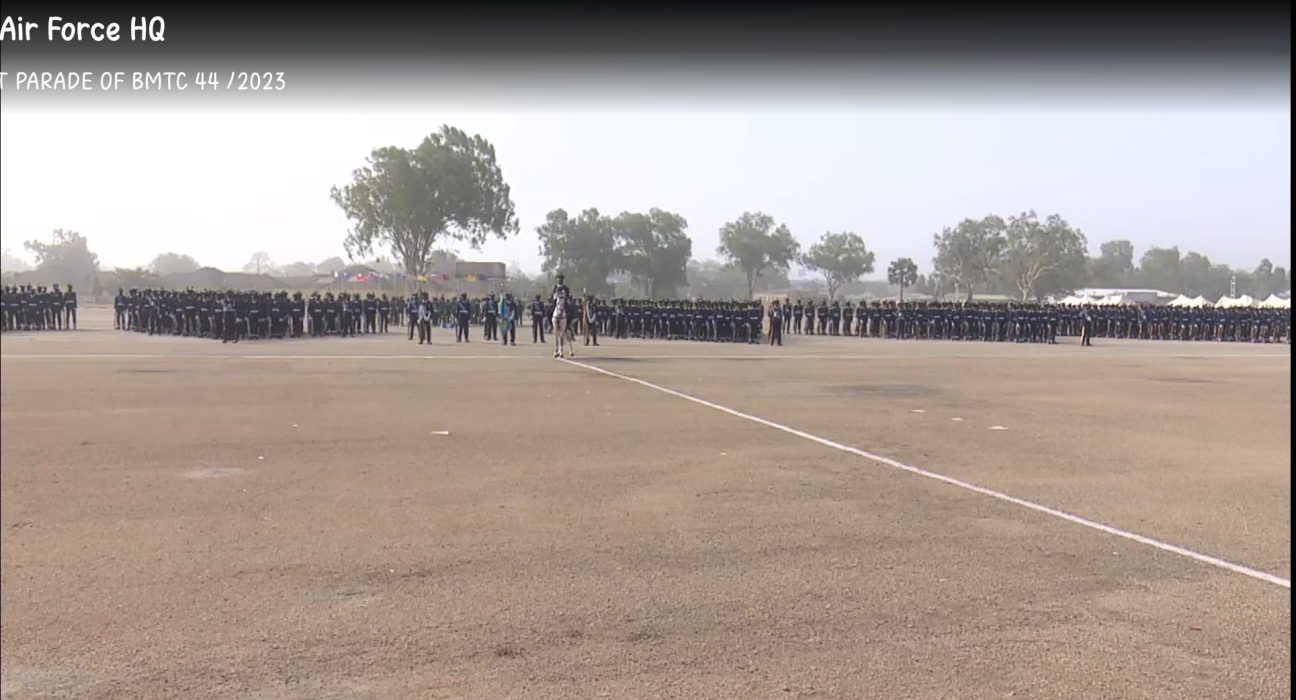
column 537, row 320
column 776, row 324
column 508, row 320
column 297, row 313
column 411, row 314
column 119, row 310
column 229, row 319
column 591, row 320
column 70, row 308
column 463, row 314
column 425, row 320
column 370, row 313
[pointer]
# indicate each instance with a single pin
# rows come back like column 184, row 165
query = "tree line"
column 413, row 202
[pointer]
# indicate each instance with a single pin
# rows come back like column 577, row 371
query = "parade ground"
column 838, row 517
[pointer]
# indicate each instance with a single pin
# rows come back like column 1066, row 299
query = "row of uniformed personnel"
column 37, row 308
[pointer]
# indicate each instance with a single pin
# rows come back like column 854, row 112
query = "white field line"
column 1124, row 534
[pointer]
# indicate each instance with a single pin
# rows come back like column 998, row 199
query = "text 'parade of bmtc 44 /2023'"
column 143, row 81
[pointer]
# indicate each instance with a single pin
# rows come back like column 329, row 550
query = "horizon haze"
column 219, row 184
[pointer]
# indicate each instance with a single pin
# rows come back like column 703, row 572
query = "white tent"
column 1183, row 301
column 1199, row 302
column 1242, row 302
column 1074, row 301
column 1276, row 302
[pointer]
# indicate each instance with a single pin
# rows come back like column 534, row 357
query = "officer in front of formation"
column 538, row 320
column 490, row 324
column 424, row 314
column 463, row 314
column 508, row 320
column 412, row 312
column 776, row 323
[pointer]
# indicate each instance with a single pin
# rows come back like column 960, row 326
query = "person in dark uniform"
column 490, row 318
column 591, row 320
column 537, row 320
column 229, row 319
column 370, row 310
column 54, row 299
column 1086, row 327
column 297, row 315
column 798, row 310
column 384, row 313
column 463, row 314
column 776, row 323
column 423, row 319
column 70, row 308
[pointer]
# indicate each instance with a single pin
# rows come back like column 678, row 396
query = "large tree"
column 903, row 272
column 1269, row 279
column 583, row 249
column 172, row 263
column 259, row 264
column 653, row 249
column 755, row 243
column 68, row 256
column 1194, row 274
column 1042, row 257
column 1160, row 268
column 841, row 258
column 410, row 200
column 969, row 253
column 1114, row 266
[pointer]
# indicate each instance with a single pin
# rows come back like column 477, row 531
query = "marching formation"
column 28, row 308
column 1145, row 322
column 1018, row 323
column 231, row 316
column 1034, row 323
column 500, row 318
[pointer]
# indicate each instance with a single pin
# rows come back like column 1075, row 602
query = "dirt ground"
column 367, row 518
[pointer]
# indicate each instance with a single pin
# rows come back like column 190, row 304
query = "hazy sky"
column 221, row 185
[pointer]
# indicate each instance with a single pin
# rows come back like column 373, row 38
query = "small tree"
column 904, row 273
